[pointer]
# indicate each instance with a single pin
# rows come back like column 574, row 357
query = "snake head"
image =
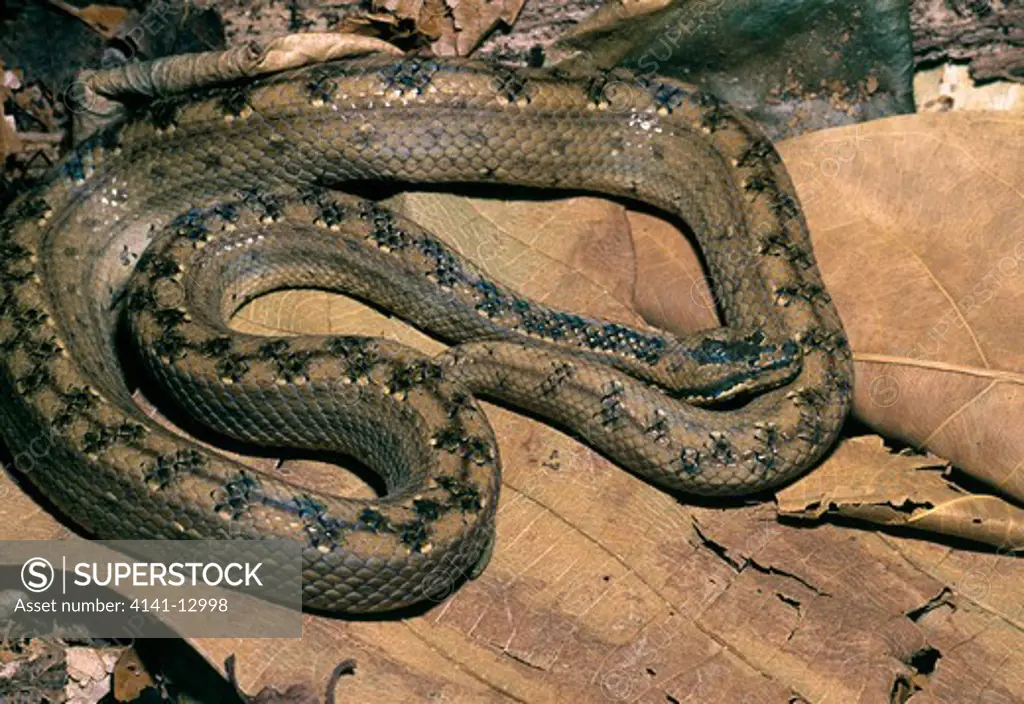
column 730, row 365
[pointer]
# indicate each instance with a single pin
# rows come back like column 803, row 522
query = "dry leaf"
column 472, row 21
column 105, row 20
column 387, row 27
column 457, row 26
column 919, row 229
column 130, row 677
column 610, row 17
column 862, row 480
column 33, row 671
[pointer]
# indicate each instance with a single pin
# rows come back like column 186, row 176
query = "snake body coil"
column 206, row 199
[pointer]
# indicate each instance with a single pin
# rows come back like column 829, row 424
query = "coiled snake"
column 223, row 189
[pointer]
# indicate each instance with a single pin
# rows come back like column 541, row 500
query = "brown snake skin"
column 210, row 197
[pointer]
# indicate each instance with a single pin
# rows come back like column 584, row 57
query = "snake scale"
column 208, row 196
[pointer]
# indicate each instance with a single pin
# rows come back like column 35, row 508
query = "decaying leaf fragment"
column 131, row 678
column 105, row 20
column 455, row 27
column 864, row 481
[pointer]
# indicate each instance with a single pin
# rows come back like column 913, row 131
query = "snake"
column 215, row 187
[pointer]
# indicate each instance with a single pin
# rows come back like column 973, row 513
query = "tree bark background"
column 987, row 33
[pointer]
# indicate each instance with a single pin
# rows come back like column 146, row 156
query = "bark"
column 987, row 33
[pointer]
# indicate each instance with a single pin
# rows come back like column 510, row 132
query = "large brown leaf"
column 919, row 228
